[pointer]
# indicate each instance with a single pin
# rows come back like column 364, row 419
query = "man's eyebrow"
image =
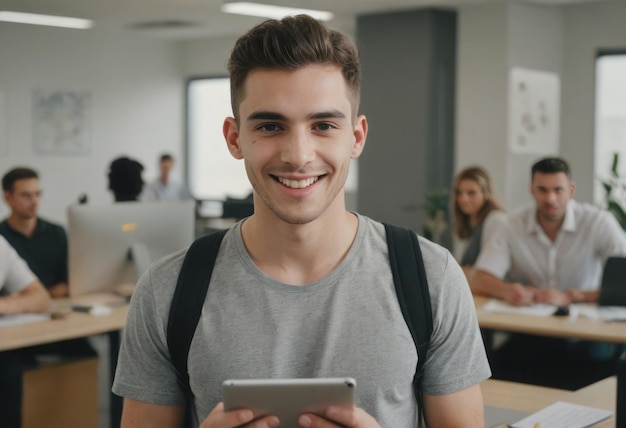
column 271, row 115
column 265, row 115
column 331, row 114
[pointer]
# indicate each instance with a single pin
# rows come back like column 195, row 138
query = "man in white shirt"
column 164, row 188
column 552, row 251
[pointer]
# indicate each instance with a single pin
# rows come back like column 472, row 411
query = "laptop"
column 613, row 285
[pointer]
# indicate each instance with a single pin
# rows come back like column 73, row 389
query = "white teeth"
column 297, row 184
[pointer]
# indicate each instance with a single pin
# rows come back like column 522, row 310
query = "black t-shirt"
column 45, row 252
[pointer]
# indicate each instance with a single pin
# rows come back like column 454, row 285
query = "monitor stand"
column 140, row 255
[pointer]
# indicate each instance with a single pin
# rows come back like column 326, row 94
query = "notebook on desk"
column 613, row 285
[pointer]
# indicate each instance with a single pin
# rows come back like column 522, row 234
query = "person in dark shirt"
column 43, row 246
column 41, row 243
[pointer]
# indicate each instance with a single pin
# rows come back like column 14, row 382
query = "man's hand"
column 553, row 297
column 218, row 418
column 517, row 294
column 336, row 417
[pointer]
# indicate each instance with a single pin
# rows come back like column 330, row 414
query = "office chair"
column 613, row 285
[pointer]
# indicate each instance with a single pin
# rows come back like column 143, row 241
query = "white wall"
column 492, row 39
column 481, row 108
column 207, row 57
column 136, row 86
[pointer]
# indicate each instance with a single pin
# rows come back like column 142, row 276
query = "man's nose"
column 298, row 148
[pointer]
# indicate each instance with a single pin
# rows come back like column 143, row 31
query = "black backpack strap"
column 409, row 277
column 186, row 307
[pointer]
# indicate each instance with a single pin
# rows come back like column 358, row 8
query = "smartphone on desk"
column 288, row 398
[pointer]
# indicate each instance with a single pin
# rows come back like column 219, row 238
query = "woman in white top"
column 476, row 214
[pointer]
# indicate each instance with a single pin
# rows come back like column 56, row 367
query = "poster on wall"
column 534, row 108
column 4, row 145
column 61, row 122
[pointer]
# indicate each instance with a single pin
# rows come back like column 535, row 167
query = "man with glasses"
column 41, row 243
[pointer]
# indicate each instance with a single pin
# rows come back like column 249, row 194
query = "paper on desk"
column 564, row 415
column 538, row 310
column 10, row 320
column 598, row 313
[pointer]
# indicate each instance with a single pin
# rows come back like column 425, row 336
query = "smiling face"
column 551, row 191
column 470, row 197
column 296, row 136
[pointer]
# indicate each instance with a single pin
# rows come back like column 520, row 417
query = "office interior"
column 137, row 80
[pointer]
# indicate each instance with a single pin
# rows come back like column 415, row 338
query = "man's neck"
column 550, row 228
column 24, row 226
column 164, row 179
column 299, row 254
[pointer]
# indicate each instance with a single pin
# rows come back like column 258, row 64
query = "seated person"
column 477, row 213
column 125, row 179
column 42, row 244
column 552, row 251
column 20, row 292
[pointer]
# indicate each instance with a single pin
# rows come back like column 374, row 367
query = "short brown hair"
column 15, row 174
column 290, row 44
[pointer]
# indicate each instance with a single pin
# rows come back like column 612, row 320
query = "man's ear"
column 360, row 135
column 231, row 134
column 573, row 189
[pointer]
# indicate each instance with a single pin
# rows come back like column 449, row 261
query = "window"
column 213, row 173
column 610, row 131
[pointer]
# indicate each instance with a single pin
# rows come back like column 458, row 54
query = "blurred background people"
column 125, row 180
column 476, row 212
column 42, row 244
column 164, row 187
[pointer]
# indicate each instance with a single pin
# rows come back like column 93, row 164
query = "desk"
column 582, row 328
column 74, row 325
column 531, row 398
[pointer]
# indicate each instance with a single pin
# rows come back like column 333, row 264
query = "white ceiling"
column 177, row 19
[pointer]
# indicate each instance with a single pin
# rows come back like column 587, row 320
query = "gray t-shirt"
column 348, row 323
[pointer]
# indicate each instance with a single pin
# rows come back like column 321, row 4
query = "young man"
column 41, row 243
column 303, row 288
column 164, row 188
column 552, row 251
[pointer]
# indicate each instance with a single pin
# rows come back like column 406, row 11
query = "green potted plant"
column 436, row 213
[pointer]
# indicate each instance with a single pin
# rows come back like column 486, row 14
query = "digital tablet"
column 288, row 398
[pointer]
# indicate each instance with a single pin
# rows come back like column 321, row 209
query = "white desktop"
column 111, row 245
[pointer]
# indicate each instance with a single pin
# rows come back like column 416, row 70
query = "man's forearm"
column 33, row 298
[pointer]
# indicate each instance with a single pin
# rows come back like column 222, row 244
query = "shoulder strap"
column 409, row 277
column 186, row 307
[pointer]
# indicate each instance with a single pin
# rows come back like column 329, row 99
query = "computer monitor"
column 111, row 245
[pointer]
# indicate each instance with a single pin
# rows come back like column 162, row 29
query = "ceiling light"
column 270, row 11
column 50, row 20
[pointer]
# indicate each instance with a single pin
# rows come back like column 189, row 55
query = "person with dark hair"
column 164, row 187
column 42, row 244
column 125, row 179
column 552, row 251
column 303, row 288
column 477, row 214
